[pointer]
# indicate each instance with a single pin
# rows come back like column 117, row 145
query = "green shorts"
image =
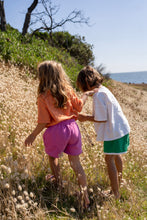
column 118, row 146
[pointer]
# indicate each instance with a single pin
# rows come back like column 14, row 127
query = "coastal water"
column 130, row 77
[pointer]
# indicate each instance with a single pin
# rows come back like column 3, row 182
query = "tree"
column 28, row 17
column 2, row 17
column 45, row 20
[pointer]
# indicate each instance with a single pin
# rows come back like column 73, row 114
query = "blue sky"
column 118, row 32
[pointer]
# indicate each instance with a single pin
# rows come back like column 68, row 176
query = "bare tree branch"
column 47, row 21
column 28, row 17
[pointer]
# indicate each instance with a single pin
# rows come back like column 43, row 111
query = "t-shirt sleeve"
column 99, row 107
column 43, row 113
column 76, row 102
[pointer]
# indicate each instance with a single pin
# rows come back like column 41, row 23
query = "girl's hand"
column 29, row 140
column 89, row 93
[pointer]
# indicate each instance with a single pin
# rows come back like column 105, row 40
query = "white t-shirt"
column 107, row 108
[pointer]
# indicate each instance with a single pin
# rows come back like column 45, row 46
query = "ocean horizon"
column 130, row 77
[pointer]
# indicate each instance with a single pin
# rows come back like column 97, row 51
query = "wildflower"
column 3, row 167
column 99, row 189
column 19, row 188
column 97, row 206
column 31, row 195
column 25, row 193
column 72, row 209
column 1, row 177
column 27, row 198
column 19, row 198
column 18, row 206
column 8, row 170
column 22, row 201
column 91, row 190
column 6, row 210
column 13, row 193
column 30, row 202
column 25, row 205
column 15, row 200
column 7, row 186
column 26, row 171
column 35, row 204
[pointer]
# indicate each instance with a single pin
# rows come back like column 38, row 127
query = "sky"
column 117, row 31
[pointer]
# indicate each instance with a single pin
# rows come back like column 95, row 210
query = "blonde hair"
column 88, row 77
column 52, row 77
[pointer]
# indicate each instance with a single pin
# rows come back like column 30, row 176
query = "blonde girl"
column 58, row 108
column 110, row 123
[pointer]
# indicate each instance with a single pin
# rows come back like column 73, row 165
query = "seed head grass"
column 24, row 192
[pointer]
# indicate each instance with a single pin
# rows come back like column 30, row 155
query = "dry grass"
column 24, row 194
column 141, row 86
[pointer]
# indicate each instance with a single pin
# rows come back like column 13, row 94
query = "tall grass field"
column 24, row 192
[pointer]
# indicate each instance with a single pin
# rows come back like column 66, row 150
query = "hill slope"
column 18, row 115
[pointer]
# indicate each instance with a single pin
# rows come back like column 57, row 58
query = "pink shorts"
column 63, row 137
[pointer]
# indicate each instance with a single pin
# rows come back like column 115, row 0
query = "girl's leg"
column 80, row 174
column 119, row 166
column 54, row 165
column 113, row 175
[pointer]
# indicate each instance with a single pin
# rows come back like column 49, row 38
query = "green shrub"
column 75, row 45
column 30, row 50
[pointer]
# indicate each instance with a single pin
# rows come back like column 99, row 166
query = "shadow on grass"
column 66, row 201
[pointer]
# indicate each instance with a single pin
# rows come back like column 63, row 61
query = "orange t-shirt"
column 48, row 113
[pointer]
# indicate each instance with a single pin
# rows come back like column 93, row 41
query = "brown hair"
column 52, row 77
column 88, row 77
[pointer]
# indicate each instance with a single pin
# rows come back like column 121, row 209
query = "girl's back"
column 49, row 113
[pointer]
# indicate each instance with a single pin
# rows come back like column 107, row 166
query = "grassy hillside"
column 24, row 193
column 28, row 51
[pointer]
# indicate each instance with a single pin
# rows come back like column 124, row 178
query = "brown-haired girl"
column 110, row 123
column 58, row 108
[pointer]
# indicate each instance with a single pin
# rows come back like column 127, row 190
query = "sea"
column 130, row 77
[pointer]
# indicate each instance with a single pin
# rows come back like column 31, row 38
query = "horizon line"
column 128, row 72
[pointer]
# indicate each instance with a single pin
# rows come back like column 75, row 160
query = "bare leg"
column 119, row 166
column 113, row 175
column 80, row 174
column 54, row 165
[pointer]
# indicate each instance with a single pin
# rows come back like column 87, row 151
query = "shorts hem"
column 60, row 154
column 51, row 155
column 74, row 154
column 115, row 153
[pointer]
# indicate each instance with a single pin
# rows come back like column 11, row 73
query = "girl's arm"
column 86, row 94
column 78, row 103
column 83, row 118
column 30, row 139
